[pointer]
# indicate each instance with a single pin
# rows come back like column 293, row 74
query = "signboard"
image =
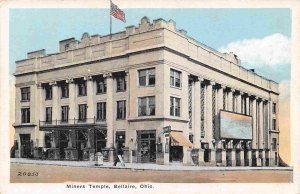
column 235, row 126
column 167, row 129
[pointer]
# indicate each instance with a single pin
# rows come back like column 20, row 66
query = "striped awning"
column 177, row 139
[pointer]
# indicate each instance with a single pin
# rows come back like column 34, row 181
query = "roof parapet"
column 38, row 53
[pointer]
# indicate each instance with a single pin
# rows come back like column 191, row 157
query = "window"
column 274, row 124
column 25, row 94
column 121, row 84
column 101, row 110
column 65, row 91
column 175, row 78
column 48, row 114
column 274, row 144
column 82, row 88
column 82, row 112
column 147, row 77
column 48, row 90
column 25, row 113
column 64, row 113
column 101, row 86
column 274, row 108
column 175, row 106
column 147, row 106
column 121, row 109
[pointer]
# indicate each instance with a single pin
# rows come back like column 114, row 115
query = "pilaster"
column 110, row 106
column 55, row 101
column 260, row 125
column 72, row 100
column 197, row 112
column 90, row 100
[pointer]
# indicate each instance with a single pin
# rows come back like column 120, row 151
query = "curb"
column 194, row 169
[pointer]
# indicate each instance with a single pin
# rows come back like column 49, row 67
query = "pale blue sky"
column 34, row 29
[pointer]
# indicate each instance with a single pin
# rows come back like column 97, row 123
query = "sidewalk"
column 142, row 166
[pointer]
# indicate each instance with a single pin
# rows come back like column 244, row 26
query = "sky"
column 221, row 29
column 261, row 38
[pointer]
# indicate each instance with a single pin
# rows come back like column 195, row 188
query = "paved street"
column 30, row 171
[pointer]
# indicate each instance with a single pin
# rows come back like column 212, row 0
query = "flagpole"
column 110, row 27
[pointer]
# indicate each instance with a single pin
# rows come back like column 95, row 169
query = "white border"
column 294, row 5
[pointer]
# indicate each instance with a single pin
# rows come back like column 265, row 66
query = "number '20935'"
column 28, row 174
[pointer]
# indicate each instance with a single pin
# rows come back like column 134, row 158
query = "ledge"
column 154, row 118
column 24, row 125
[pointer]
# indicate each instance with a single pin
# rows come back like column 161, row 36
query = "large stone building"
column 152, row 88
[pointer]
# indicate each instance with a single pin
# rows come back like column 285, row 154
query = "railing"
column 73, row 121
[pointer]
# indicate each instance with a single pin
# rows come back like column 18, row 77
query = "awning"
column 177, row 139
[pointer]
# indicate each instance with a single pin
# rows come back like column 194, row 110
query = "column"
column 55, row 105
column 263, row 158
column 40, row 113
column 90, row 99
column 72, row 100
column 239, row 102
column 247, row 111
column 230, row 100
column 249, row 155
column 197, row 112
column 260, row 125
column 223, row 153
column 233, row 155
column 110, row 110
column 208, row 118
column 242, row 157
column 254, row 120
column 218, row 109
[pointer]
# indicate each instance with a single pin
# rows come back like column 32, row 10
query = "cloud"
column 271, row 50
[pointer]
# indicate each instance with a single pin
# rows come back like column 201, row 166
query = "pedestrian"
column 120, row 153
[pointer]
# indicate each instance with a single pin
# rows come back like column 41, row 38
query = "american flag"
column 116, row 12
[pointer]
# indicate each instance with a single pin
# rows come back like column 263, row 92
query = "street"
column 40, row 173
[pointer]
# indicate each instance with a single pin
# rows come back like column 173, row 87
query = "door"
column 146, row 146
column 63, row 143
column 25, row 145
column 81, row 144
column 100, row 141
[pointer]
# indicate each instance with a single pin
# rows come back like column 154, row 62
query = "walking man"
column 120, row 153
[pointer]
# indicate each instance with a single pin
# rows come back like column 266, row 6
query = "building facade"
column 151, row 88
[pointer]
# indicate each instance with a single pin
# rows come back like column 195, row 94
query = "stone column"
column 39, row 114
column 233, row 155
column 218, row 109
column 260, row 125
column 249, row 157
column 230, row 100
column 239, row 103
column 247, row 111
column 254, row 120
column 224, row 162
column 55, row 102
column 263, row 158
column 110, row 110
column 213, row 157
column 242, row 157
column 201, row 157
column 197, row 112
column 72, row 101
column 90, row 99
column 208, row 118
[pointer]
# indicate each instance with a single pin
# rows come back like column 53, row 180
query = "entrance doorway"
column 25, row 145
column 176, row 153
column 100, row 141
column 81, row 144
column 146, row 146
column 62, row 143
